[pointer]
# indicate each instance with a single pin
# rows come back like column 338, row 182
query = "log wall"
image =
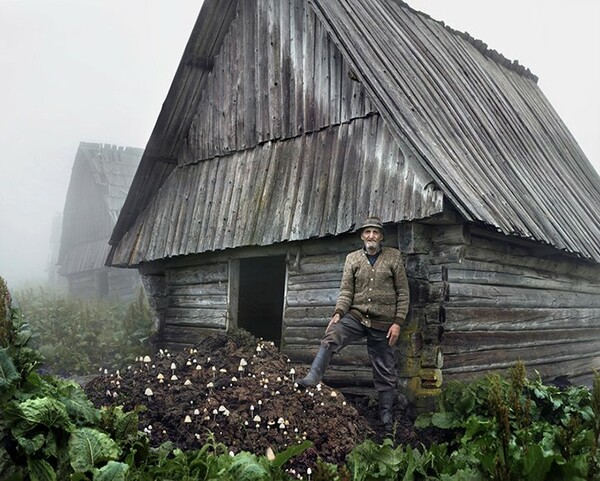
column 479, row 303
column 189, row 302
column 509, row 302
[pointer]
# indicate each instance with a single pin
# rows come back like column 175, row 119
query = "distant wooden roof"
column 99, row 183
column 483, row 129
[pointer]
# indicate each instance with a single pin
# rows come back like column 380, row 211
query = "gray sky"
column 99, row 70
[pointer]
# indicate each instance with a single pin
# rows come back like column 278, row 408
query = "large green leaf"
column 294, row 450
column 40, row 470
column 113, row 471
column 122, row 425
column 79, row 407
column 246, row 467
column 88, row 447
column 537, row 463
column 8, row 372
column 47, row 411
column 32, row 445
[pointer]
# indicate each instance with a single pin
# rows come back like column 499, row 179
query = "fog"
column 99, row 70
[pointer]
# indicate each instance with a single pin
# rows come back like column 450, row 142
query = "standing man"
column 372, row 303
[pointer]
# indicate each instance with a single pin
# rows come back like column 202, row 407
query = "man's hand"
column 393, row 334
column 334, row 320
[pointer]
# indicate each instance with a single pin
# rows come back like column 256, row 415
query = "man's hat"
column 372, row 222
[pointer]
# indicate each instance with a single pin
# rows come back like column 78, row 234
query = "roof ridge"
column 479, row 45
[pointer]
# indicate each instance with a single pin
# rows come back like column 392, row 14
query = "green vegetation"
column 78, row 336
column 50, row 431
column 504, row 428
column 517, row 429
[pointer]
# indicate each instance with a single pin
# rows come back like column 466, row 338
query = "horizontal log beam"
column 198, row 274
column 462, row 342
column 506, row 318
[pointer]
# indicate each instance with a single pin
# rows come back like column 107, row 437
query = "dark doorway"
column 260, row 307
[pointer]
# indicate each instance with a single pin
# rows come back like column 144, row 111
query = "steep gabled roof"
column 178, row 110
column 99, row 183
column 480, row 124
column 484, row 129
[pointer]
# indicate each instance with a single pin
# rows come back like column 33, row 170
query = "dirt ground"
column 242, row 390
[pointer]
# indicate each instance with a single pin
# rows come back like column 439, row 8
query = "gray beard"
column 372, row 247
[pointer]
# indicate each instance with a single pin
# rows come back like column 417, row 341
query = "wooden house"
column 100, row 179
column 289, row 121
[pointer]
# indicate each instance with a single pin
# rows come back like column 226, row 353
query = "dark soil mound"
column 241, row 390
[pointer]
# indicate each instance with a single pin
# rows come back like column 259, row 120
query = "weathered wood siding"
column 277, row 76
column 189, row 302
column 305, row 187
column 507, row 304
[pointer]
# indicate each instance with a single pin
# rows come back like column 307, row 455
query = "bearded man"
column 372, row 303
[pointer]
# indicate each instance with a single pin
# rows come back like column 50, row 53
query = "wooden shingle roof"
column 484, row 129
column 479, row 124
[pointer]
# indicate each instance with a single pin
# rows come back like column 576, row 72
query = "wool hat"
column 372, row 222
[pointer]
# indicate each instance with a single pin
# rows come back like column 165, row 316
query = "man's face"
column 372, row 237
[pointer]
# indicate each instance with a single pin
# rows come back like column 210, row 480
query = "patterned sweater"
column 376, row 295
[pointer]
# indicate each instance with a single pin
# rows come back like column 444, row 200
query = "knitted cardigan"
column 376, row 295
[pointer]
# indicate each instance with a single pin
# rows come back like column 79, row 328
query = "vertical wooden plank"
column 263, row 213
column 319, row 85
column 248, row 172
column 309, row 72
column 274, row 77
column 335, row 90
column 322, row 162
column 197, row 181
column 224, row 119
column 349, row 188
column 237, row 171
column 173, row 213
column 302, row 220
column 297, row 57
column 235, row 66
column 332, row 200
column 248, row 57
column 261, row 29
column 210, row 173
column 286, row 83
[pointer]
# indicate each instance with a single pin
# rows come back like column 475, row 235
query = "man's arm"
column 346, row 295
column 402, row 291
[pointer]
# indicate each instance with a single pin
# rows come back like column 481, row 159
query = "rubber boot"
column 317, row 369
column 386, row 410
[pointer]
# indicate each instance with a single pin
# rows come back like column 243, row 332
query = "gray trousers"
column 383, row 357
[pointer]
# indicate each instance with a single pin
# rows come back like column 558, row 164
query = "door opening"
column 261, row 291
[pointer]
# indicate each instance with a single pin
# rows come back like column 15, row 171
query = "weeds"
column 77, row 336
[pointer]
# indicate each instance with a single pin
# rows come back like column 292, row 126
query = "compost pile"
column 242, row 391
